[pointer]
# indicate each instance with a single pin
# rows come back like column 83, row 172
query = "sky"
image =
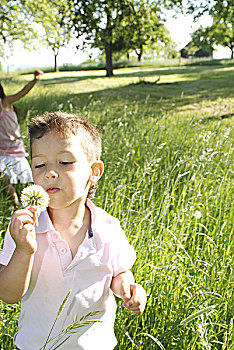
column 180, row 29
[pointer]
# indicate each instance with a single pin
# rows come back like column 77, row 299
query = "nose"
column 51, row 174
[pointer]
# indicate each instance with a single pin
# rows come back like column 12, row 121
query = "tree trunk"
column 139, row 54
column 56, row 69
column 128, row 56
column 108, row 49
column 109, row 66
column 139, row 57
column 232, row 50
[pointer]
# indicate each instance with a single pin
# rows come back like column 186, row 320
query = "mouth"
column 52, row 189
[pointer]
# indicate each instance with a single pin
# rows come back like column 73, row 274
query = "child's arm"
column 9, row 100
column 15, row 277
column 133, row 294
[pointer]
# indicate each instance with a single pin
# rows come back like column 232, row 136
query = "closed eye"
column 66, row 163
column 39, row 165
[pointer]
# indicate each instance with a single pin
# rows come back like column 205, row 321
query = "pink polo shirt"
column 10, row 142
column 104, row 253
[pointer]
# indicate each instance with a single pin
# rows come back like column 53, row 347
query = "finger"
column 29, row 228
column 28, row 211
column 20, row 221
column 138, row 299
column 129, row 303
column 137, row 311
column 34, row 211
column 137, row 308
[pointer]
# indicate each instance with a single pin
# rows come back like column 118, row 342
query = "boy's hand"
column 22, row 230
column 134, row 297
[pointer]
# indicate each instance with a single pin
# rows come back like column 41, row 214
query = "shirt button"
column 63, row 250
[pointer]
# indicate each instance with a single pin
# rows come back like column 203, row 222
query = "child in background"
column 76, row 246
column 13, row 160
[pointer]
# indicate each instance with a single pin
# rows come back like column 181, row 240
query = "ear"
column 97, row 170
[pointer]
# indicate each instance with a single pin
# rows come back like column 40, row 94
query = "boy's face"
column 61, row 167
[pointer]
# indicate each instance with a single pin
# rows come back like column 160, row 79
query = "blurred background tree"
column 222, row 30
column 116, row 27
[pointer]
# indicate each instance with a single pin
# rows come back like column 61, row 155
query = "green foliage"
column 168, row 154
column 222, row 30
column 9, row 315
column 219, row 8
column 143, row 28
column 21, row 19
column 57, row 26
column 120, row 26
column 15, row 23
column 111, row 26
column 218, row 33
column 99, row 23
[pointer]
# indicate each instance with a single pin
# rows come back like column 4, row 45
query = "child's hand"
column 22, row 230
column 134, row 297
column 37, row 74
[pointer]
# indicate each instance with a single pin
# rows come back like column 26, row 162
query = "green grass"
column 168, row 152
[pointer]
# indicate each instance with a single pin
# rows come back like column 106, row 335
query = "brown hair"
column 67, row 124
column 3, row 95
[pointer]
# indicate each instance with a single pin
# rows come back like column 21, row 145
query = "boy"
column 77, row 247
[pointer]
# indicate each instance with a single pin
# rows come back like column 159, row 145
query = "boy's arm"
column 15, row 277
column 133, row 294
column 9, row 100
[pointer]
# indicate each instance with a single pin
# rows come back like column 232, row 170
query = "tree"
column 15, row 22
column 201, row 38
column 53, row 19
column 96, row 21
column 222, row 30
column 58, row 29
column 118, row 25
column 217, row 33
column 223, row 34
column 147, row 27
column 24, row 19
column 138, row 30
column 220, row 8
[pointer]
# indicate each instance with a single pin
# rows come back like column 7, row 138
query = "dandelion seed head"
column 197, row 214
column 35, row 196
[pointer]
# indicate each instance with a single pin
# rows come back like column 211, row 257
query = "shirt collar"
column 44, row 223
column 90, row 231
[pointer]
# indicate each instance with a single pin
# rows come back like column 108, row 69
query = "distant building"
column 188, row 52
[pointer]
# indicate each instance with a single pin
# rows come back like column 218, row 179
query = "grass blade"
column 197, row 314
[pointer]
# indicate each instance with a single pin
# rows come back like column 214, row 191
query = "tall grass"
column 168, row 154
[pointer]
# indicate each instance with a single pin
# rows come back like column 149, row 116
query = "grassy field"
column 168, row 154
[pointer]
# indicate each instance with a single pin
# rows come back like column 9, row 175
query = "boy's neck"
column 72, row 223
column 70, row 219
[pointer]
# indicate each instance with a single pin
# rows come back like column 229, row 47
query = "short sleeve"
column 8, row 248
column 123, row 254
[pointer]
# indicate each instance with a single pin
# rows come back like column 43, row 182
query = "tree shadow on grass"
column 187, row 76
column 69, row 79
column 196, row 72
column 155, row 98
column 158, row 95
column 220, row 117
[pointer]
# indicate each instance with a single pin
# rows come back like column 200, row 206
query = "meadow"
column 168, row 154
